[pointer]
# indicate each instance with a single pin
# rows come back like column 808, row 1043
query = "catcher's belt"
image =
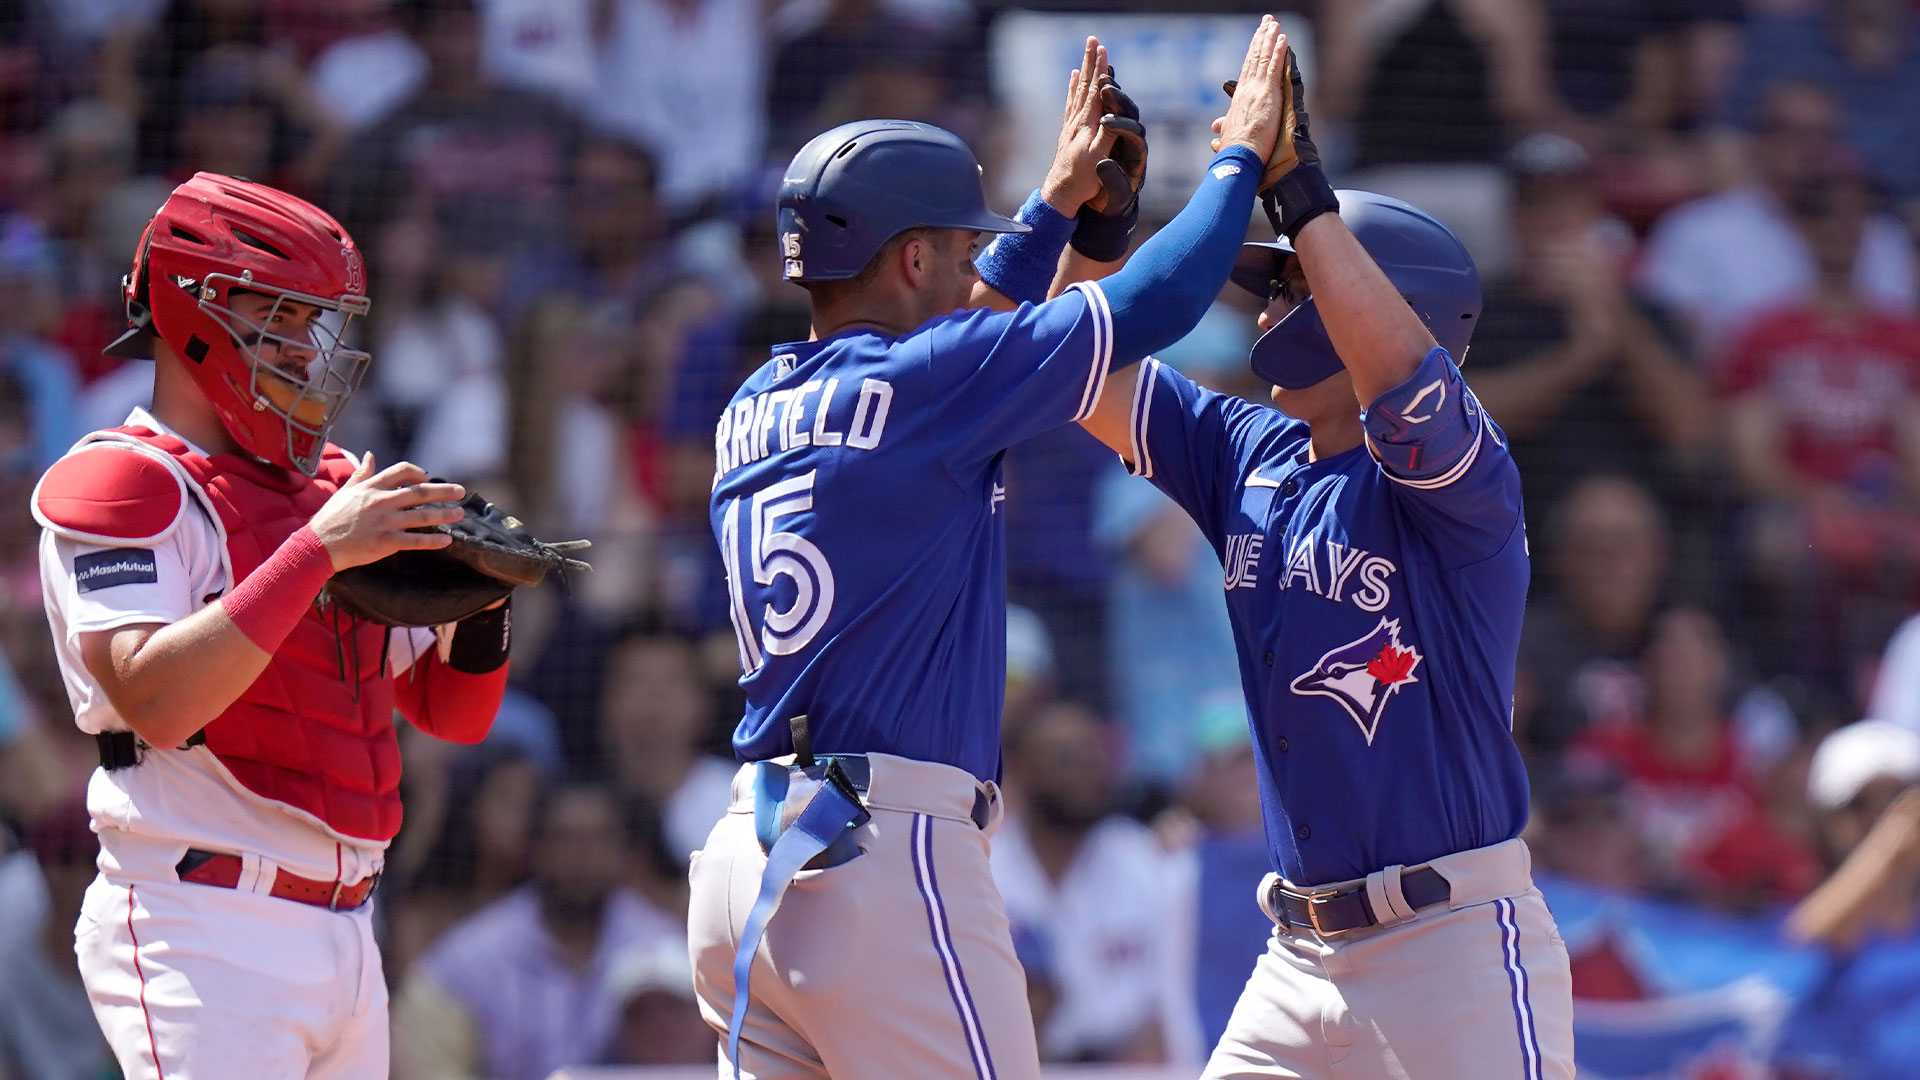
column 222, row 871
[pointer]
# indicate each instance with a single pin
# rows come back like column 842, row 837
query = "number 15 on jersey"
column 772, row 554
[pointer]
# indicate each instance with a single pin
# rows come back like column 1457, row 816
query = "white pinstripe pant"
column 1476, row 990
column 896, row 964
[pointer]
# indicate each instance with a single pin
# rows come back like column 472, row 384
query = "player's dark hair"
column 826, row 293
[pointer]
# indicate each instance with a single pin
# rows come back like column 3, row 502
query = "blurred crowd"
column 1696, row 221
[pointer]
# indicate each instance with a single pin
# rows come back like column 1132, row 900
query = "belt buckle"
column 333, row 902
column 1318, row 900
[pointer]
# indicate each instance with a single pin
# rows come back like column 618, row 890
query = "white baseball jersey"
column 180, row 795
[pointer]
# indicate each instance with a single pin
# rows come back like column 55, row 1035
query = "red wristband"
column 269, row 603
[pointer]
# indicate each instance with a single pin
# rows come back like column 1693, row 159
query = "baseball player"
column 857, row 506
column 1376, row 571
column 249, row 774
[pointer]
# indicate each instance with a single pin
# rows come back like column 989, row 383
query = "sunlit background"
column 1696, row 223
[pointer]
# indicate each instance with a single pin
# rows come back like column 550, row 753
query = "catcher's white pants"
column 191, row 982
column 1479, row 987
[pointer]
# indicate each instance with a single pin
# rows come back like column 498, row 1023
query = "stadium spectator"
column 365, row 74
column 1860, row 1020
column 1606, row 549
column 209, row 86
column 40, row 373
column 1424, row 93
column 850, row 59
column 1896, row 688
column 1054, row 565
column 1637, row 67
column 47, row 1030
column 688, row 78
column 1030, row 671
column 1168, row 641
column 1861, row 787
column 659, row 1016
column 1820, row 396
column 616, row 252
column 546, row 427
column 89, row 169
column 31, row 778
column 526, row 985
column 1088, row 884
column 1581, row 827
column 1867, row 52
column 1432, row 81
column 463, row 147
column 465, row 844
column 1722, row 259
column 1583, row 377
column 436, row 339
column 546, row 46
column 1694, row 796
column 658, row 731
column 1215, row 931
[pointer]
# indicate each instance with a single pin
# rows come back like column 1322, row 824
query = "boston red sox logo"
column 1363, row 675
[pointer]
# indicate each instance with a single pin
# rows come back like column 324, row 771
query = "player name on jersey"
column 778, row 420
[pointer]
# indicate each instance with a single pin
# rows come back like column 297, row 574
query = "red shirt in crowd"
column 1704, row 819
column 1841, row 384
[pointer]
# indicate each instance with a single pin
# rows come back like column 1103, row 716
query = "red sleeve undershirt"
column 448, row 704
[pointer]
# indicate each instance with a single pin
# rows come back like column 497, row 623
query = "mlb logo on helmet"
column 1363, row 675
column 790, row 251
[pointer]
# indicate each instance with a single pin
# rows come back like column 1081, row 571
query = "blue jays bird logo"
column 1363, row 675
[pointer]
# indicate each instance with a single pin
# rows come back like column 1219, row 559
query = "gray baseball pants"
column 1472, row 989
column 898, row 963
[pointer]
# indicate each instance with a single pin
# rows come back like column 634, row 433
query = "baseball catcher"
column 249, row 776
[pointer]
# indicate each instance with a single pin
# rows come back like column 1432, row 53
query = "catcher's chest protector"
column 315, row 731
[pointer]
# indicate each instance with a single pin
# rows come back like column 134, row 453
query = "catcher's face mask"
column 253, row 291
column 298, row 367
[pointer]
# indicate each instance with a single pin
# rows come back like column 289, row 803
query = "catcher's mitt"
column 492, row 554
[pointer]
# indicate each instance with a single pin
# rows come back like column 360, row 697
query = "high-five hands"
column 1074, row 178
column 1259, row 115
column 1124, row 171
column 1294, row 190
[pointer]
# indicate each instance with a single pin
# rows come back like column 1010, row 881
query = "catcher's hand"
column 489, row 554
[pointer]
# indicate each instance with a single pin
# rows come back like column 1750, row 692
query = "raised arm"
column 1377, row 335
column 1018, row 267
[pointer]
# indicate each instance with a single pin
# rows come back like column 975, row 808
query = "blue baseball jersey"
column 857, row 502
column 1376, row 599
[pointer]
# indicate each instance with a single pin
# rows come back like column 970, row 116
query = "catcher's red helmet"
column 217, row 236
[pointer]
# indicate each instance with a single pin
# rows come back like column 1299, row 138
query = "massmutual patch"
column 119, row 566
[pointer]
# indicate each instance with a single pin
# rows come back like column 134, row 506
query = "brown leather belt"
column 223, row 872
column 1330, row 913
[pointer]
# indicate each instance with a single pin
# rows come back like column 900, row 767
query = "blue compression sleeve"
column 1162, row 292
column 1021, row 266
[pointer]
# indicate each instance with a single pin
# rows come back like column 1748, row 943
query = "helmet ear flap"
column 135, row 341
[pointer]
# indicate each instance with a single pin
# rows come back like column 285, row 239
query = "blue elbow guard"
column 1021, row 266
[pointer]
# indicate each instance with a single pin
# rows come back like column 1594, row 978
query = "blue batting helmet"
column 1423, row 259
column 859, row 185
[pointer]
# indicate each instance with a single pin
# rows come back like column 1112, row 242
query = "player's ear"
column 916, row 258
